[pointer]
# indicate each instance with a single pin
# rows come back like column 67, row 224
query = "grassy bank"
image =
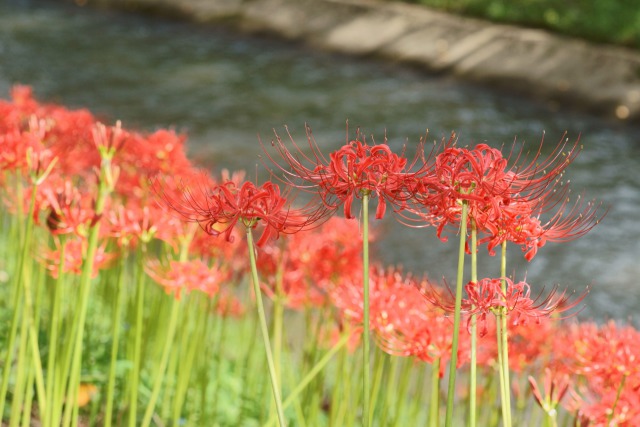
column 615, row 22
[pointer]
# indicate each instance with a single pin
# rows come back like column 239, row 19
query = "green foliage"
column 603, row 21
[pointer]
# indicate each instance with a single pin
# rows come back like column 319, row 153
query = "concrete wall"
column 569, row 72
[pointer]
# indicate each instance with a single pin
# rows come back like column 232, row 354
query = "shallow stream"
column 224, row 89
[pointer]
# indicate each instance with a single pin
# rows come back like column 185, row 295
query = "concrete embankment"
column 597, row 78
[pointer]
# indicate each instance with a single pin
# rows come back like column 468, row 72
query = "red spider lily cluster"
column 486, row 297
column 312, row 260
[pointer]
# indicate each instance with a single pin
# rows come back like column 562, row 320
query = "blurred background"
column 226, row 90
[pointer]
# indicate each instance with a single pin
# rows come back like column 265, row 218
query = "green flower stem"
column 504, row 344
column 473, row 370
column 245, row 371
column 278, row 318
column 390, row 401
column 115, row 340
column 164, row 359
column 28, row 325
column 186, row 364
column 418, row 394
column 311, row 375
column 379, row 370
column 434, row 404
column 18, row 391
column 403, row 386
column 297, row 406
column 17, row 305
column 26, row 418
column 340, row 392
column 53, row 333
column 77, row 330
column 456, row 318
column 137, row 337
column 263, row 326
column 222, row 321
column 615, row 402
column 366, row 380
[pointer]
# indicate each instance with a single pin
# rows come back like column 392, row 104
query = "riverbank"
column 568, row 72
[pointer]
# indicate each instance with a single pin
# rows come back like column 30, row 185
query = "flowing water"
column 224, row 89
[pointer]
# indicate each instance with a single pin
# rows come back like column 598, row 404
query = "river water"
column 224, row 89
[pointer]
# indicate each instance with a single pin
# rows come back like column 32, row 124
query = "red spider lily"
column 24, row 151
column 605, row 354
column 70, row 211
column 219, row 207
column 607, row 357
column 108, row 139
column 530, row 344
column 599, row 412
column 68, row 133
column 74, row 252
column 556, row 386
column 132, row 223
column 187, row 276
column 487, row 297
column 309, row 264
column 405, row 324
column 505, row 202
column 145, row 156
column 354, row 170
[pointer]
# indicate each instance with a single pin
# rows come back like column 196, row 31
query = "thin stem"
column 366, row 379
column 434, row 404
column 405, row 376
column 115, row 337
column 137, row 338
column 263, row 326
column 456, row 318
column 54, row 331
column 278, row 318
column 161, row 368
column 615, row 402
column 312, row 374
column 379, row 370
column 504, row 341
column 197, row 337
column 473, row 369
column 77, row 333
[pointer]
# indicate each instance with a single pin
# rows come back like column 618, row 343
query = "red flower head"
column 354, row 170
column 304, row 267
column 506, row 198
column 70, row 210
column 75, row 251
column 218, row 208
column 486, row 297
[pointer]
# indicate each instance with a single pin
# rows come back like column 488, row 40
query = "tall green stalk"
column 318, row 367
column 434, row 404
column 473, row 369
column 366, row 379
column 77, row 332
column 115, row 340
column 263, row 326
column 503, row 337
column 52, row 374
column 28, row 328
column 456, row 318
column 615, row 402
column 137, row 337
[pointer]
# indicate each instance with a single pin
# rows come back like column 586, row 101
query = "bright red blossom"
column 505, row 202
column 218, row 208
column 354, row 170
